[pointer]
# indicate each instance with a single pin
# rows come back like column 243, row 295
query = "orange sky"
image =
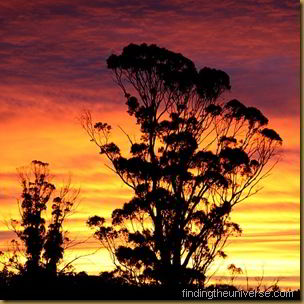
column 53, row 65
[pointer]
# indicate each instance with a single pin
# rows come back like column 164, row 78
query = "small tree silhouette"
column 56, row 239
column 35, row 196
column 198, row 156
column 44, row 245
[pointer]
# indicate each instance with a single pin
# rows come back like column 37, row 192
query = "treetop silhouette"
column 43, row 243
column 198, row 156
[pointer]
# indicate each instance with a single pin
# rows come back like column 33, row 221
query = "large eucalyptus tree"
column 197, row 158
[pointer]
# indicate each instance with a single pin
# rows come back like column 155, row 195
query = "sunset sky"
column 53, row 65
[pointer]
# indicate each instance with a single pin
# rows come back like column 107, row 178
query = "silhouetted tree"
column 198, row 156
column 35, row 196
column 56, row 238
column 44, row 244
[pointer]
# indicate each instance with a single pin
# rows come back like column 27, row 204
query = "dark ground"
column 84, row 287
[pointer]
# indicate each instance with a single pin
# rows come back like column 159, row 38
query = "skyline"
column 54, row 65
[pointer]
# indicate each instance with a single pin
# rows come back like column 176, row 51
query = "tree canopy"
column 198, row 156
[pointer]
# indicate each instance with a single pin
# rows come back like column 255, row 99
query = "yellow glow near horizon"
column 270, row 220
